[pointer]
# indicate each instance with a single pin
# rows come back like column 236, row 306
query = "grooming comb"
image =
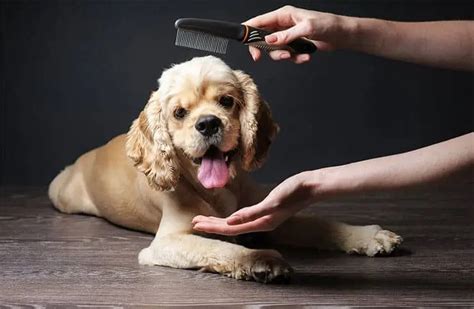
column 213, row 35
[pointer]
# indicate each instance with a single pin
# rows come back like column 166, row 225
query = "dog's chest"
column 224, row 202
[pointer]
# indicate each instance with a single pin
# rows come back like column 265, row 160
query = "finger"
column 277, row 18
column 258, row 225
column 248, row 214
column 198, row 219
column 213, row 228
column 279, row 54
column 283, row 37
column 301, row 58
column 255, row 53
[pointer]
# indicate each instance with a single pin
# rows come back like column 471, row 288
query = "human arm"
column 408, row 169
column 446, row 44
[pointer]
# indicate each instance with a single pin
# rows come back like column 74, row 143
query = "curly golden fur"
column 249, row 124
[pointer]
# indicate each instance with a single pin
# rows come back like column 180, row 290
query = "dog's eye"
column 226, row 101
column 179, row 113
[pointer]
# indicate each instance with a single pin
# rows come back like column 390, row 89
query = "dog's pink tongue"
column 213, row 172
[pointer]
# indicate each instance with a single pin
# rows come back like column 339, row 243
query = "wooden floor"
column 47, row 258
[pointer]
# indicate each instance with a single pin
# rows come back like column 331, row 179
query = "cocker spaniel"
column 189, row 153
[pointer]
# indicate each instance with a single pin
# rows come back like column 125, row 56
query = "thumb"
column 286, row 36
column 250, row 213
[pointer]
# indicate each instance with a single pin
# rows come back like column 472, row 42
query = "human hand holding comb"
column 445, row 44
column 213, row 35
column 326, row 31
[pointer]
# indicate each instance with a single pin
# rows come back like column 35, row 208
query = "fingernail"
column 285, row 56
column 271, row 38
column 253, row 56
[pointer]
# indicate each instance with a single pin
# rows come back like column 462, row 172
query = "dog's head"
column 205, row 117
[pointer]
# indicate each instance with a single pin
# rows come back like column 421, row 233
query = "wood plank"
column 48, row 258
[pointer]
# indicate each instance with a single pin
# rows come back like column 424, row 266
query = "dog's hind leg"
column 311, row 231
column 68, row 193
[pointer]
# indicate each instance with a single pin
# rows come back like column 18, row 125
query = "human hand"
column 285, row 200
column 325, row 30
column 424, row 165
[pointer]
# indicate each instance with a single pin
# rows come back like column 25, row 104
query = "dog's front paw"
column 372, row 240
column 270, row 269
column 263, row 266
column 383, row 243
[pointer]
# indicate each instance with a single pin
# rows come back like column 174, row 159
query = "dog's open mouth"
column 214, row 167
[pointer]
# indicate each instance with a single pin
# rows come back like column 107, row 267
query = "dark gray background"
column 75, row 74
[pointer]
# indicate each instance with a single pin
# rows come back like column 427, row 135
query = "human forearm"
column 419, row 166
column 447, row 44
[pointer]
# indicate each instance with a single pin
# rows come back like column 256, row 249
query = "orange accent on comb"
column 246, row 33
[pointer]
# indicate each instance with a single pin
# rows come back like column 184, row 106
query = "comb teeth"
column 202, row 41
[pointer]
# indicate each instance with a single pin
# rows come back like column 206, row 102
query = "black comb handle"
column 256, row 37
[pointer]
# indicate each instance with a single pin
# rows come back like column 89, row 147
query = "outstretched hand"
column 284, row 201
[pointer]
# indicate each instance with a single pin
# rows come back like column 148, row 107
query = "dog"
column 189, row 153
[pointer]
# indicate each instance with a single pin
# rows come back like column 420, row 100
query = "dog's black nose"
column 208, row 125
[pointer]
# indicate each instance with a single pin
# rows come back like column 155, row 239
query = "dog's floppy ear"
column 149, row 146
column 257, row 126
